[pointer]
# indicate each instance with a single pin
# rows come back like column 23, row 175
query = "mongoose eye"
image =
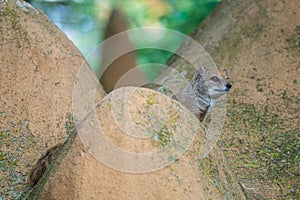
column 215, row 79
column 225, row 72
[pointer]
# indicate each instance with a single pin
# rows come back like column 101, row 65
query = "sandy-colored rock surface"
column 131, row 176
column 38, row 67
column 258, row 42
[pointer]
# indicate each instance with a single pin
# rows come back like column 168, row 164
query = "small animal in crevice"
column 203, row 91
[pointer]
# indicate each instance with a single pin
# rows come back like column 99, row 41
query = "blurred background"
column 85, row 23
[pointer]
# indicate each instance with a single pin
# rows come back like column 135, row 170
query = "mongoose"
column 200, row 95
column 203, row 91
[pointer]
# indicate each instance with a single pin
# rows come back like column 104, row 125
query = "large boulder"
column 38, row 67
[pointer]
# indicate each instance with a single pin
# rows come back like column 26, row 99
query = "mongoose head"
column 203, row 91
column 210, row 83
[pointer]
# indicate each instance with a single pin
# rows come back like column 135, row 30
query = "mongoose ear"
column 198, row 76
column 225, row 72
column 201, row 70
column 195, row 78
column 199, row 73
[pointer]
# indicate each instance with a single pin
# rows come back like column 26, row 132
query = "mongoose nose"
column 228, row 86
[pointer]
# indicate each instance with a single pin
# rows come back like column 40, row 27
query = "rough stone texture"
column 258, row 42
column 38, row 66
column 37, row 94
column 81, row 176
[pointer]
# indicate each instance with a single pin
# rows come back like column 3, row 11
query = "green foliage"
column 85, row 21
column 186, row 15
column 182, row 16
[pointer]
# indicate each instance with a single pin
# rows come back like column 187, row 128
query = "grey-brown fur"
column 203, row 91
